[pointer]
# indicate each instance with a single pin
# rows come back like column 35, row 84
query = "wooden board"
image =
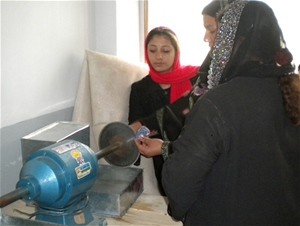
column 147, row 210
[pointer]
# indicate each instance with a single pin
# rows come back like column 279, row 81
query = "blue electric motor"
column 59, row 174
column 57, row 178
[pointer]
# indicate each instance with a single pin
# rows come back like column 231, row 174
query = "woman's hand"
column 149, row 147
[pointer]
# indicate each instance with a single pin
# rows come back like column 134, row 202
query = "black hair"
column 161, row 30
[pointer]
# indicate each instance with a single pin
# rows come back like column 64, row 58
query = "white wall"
column 128, row 30
column 105, row 26
column 118, row 22
column 43, row 45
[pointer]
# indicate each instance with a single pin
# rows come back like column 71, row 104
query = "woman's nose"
column 206, row 38
column 158, row 55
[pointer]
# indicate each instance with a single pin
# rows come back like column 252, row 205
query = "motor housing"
column 57, row 175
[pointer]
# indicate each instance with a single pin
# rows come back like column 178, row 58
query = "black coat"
column 146, row 99
column 237, row 160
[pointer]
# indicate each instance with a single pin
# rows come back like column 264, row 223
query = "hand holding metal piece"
column 142, row 132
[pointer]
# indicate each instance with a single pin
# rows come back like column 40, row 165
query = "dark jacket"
column 147, row 99
column 237, row 161
column 150, row 104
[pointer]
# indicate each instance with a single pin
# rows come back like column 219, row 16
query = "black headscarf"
column 212, row 8
column 258, row 47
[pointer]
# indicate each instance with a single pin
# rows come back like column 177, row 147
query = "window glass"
column 185, row 18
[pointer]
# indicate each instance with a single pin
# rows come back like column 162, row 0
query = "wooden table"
column 147, row 210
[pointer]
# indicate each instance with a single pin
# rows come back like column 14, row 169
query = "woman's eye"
column 213, row 31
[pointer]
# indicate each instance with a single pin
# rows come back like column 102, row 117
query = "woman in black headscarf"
column 237, row 159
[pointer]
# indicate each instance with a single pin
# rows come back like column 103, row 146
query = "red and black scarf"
column 178, row 78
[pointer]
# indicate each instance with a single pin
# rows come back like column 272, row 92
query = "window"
column 185, row 18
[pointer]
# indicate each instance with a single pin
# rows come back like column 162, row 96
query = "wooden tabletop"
column 147, row 210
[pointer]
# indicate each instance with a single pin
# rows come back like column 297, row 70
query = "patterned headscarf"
column 249, row 42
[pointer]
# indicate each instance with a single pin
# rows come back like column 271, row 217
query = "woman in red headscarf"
column 159, row 100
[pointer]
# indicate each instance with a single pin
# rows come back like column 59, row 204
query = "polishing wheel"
column 118, row 139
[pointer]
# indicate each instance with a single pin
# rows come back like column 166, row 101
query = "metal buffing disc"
column 117, row 139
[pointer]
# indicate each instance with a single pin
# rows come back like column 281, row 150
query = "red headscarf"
column 179, row 77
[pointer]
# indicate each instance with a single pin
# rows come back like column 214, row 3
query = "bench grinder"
column 57, row 178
